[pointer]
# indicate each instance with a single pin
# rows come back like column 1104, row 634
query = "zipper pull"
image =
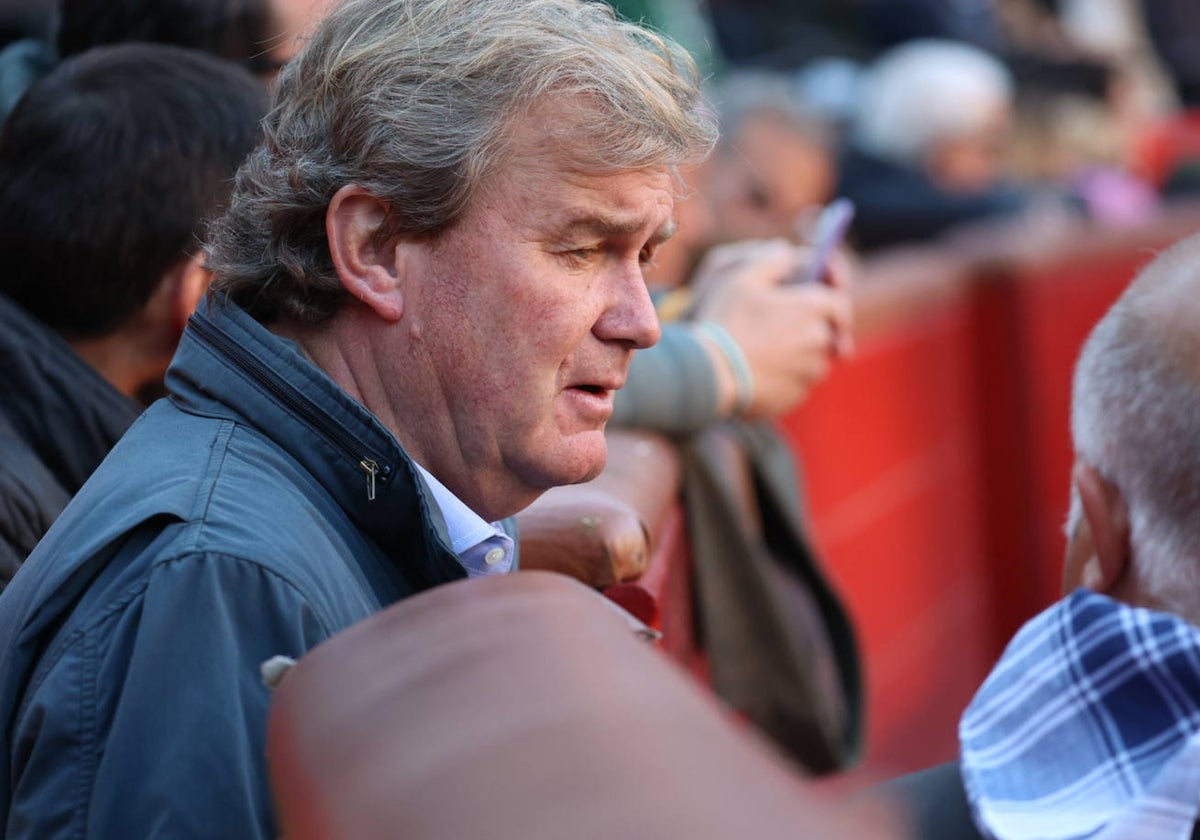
column 371, row 469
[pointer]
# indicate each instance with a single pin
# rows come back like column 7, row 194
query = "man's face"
column 522, row 319
column 972, row 162
column 771, row 176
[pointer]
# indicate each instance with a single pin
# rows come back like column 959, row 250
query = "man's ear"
column 191, row 282
column 176, row 297
column 1108, row 524
column 366, row 265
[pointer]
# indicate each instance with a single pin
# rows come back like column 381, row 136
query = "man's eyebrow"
column 605, row 226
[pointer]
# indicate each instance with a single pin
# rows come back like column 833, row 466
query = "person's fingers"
column 841, row 271
column 765, row 263
column 837, row 307
column 730, row 255
column 845, row 344
column 733, row 273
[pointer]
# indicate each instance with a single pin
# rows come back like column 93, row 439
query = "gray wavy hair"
column 411, row 100
column 1135, row 416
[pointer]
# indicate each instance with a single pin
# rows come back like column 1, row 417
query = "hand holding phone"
column 830, row 230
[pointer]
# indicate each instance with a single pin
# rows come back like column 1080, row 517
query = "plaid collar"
column 1089, row 726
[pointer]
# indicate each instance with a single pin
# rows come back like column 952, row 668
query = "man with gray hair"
column 1089, row 725
column 927, row 142
column 428, row 286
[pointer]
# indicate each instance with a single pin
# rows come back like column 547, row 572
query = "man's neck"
column 121, row 362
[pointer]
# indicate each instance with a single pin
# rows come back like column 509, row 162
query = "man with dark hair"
column 108, row 169
column 260, row 34
column 427, row 287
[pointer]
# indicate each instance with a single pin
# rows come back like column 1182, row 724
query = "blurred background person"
column 1168, row 151
column 262, row 35
column 738, row 242
column 774, row 166
column 927, row 145
column 746, row 351
column 109, row 168
column 1074, row 135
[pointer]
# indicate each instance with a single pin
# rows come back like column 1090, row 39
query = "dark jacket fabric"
column 896, row 205
column 935, row 803
column 255, row 512
column 58, row 419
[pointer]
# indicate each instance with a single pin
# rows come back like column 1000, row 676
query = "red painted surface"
column 938, row 465
column 890, row 445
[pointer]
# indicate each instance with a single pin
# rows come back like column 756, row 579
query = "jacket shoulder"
column 167, row 666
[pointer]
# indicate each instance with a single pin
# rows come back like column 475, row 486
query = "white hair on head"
column 924, row 91
column 1135, row 417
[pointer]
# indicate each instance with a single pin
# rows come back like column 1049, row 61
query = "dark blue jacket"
column 58, row 419
column 896, row 205
column 256, row 512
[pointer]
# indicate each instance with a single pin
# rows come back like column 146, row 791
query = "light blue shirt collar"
column 482, row 546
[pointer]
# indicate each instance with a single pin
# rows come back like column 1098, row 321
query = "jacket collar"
column 229, row 365
column 64, row 410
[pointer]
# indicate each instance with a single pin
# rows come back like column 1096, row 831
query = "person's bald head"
column 1135, row 421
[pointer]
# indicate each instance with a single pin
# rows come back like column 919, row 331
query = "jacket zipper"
column 264, row 376
column 371, row 468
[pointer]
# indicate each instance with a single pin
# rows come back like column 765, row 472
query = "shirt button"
column 494, row 556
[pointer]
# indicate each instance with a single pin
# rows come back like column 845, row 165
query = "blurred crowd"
column 928, row 115
column 937, row 114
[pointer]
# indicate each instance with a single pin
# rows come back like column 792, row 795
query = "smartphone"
column 829, row 232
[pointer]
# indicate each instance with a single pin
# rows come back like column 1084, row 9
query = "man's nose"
column 630, row 316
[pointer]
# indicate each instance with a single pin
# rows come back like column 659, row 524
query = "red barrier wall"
column 937, row 460
column 890, row 446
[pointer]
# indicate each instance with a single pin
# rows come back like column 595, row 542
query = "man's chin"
column 534, row 479
column 586, row 455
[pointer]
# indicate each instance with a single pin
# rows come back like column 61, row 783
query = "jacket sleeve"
column 152, row 724
column 671, row 386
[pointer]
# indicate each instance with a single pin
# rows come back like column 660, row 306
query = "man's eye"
column 581, row 256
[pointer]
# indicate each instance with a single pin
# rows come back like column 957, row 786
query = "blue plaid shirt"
column 1089, row 726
